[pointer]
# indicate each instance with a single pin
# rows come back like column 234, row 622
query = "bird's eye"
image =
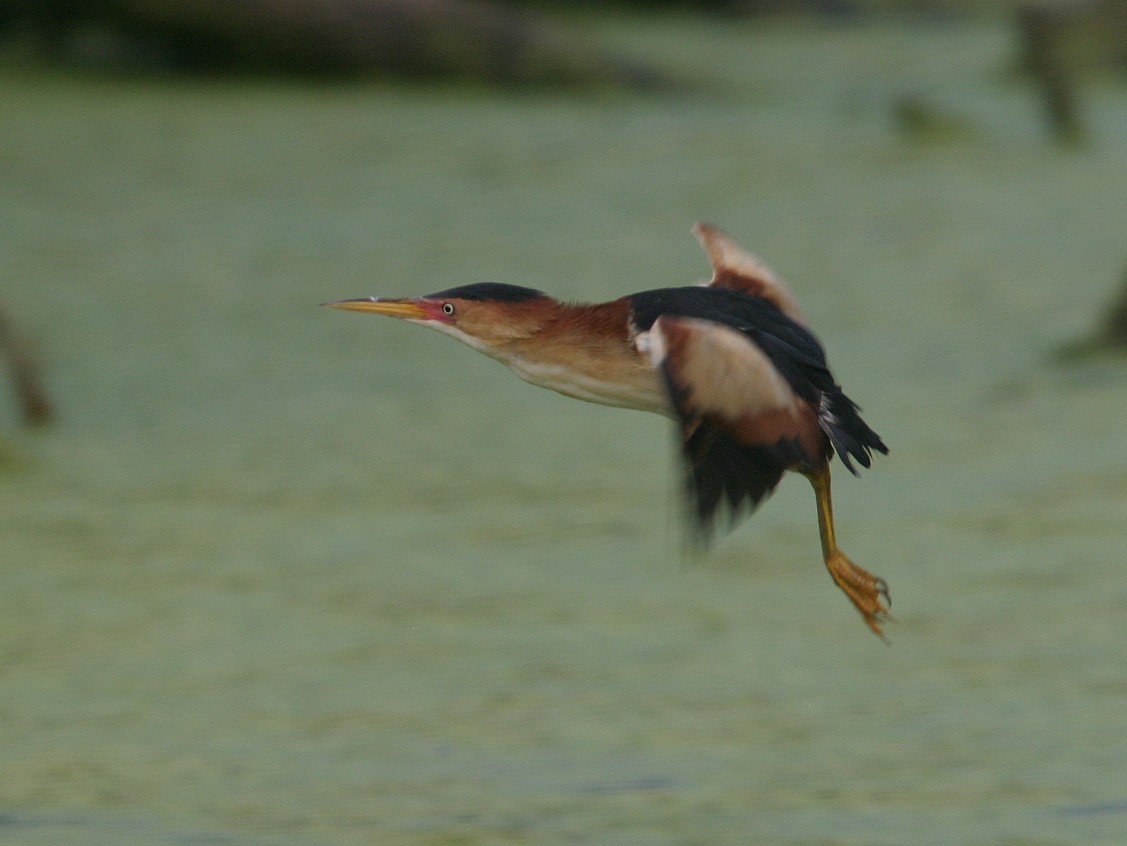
column 447, row 309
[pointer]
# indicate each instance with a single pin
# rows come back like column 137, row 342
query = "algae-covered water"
column 283, row 575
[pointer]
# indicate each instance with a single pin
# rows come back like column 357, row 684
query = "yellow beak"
column 392, row 308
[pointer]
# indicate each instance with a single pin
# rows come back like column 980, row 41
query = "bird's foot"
column 868, row 593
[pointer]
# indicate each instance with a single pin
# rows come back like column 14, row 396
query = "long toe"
column 868, row 593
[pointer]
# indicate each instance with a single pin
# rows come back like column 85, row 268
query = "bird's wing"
column 735, row 268
column 742, row 424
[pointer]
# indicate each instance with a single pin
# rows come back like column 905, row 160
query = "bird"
column 731, row 361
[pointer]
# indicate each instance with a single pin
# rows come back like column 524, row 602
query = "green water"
column 283, row 575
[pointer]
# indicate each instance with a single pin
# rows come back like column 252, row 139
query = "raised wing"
column 736, row 269
column 742, row 423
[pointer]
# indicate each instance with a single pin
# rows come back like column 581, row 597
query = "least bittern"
column 731, row 361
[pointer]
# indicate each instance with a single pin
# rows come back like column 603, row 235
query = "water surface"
column 286, row 575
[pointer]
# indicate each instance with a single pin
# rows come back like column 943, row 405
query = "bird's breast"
column 622, row 383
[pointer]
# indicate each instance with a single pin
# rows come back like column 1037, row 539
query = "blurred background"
column 274, row 574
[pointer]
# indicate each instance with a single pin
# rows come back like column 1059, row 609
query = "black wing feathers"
column 727, row 478
column 810, row 378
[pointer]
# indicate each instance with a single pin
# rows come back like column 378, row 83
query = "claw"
column 868, row 593
column 882, row 588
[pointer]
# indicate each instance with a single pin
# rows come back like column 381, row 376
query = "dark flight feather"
column 727, row 479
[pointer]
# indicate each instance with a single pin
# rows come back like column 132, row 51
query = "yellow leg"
column 867, row 592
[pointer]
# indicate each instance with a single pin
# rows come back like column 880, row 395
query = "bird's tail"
column 851, row 436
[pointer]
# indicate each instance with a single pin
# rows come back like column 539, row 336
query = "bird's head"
column 487, row 316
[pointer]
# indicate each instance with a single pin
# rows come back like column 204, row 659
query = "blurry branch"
column 1110, row 335
column 1114, row 328
column 35, row 407
column 469, row 39
column 1059, row 40
column 1040, row 26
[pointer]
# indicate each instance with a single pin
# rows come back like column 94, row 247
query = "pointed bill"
column 407, row 309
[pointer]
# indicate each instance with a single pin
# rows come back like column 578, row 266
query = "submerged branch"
column 35, row 406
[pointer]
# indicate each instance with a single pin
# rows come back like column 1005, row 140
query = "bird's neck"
column 587, row 352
